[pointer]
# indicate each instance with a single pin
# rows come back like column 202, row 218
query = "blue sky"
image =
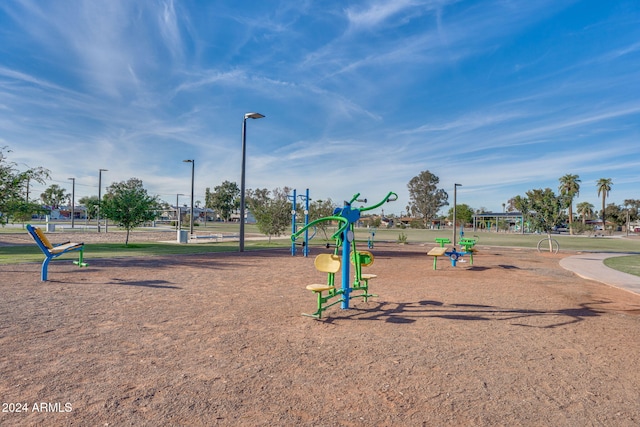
column 359, row 96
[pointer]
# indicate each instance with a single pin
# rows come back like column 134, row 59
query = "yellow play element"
column 330, row 264
column 361, row 281
column 435, row 253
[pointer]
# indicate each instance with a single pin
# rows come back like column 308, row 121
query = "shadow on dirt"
column 158, row 284
column 402, row 313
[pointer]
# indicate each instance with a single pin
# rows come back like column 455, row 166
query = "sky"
column 500, row 96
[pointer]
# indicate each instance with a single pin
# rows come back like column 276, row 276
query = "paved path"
column 590, row 266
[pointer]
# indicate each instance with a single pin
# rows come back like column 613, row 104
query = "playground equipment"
column 51, row 251
column 294, row 225
column 372, row 235
column 467, row 245
column 346, row 217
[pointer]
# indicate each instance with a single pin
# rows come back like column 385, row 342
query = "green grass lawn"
column 628, row 264
column 31, row 253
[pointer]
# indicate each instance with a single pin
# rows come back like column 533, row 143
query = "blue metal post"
column 306, row 222
column 293, row 222
column 346, row 246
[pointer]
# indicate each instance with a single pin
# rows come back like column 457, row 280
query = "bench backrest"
column 39, row 237
column 327, row 263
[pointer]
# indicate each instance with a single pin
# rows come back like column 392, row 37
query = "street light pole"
column 100, row 193
column 193, row 168
column 455, row 190
column 73, row 202
column 242, row 182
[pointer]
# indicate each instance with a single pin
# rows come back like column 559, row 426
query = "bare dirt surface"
column 218, row 339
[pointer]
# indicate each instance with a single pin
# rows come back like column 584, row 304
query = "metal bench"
column 51, row 251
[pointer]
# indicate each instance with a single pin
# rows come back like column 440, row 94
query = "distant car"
column 560, row 229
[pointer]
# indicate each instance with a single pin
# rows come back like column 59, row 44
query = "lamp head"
column 253, row 116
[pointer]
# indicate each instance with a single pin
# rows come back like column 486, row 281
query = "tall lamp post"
column 193, row 168
column 244, row 161
column 455, row 190
column 73, row 201
column 100, row 193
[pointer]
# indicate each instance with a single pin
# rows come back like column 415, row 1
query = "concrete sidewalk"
column 590, row 266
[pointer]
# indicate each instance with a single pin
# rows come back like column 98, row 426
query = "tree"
column 542, row 209
column 224, row 200
column 128, row 205
column 54, row 196
column 272, row 214
column 14, row 188
column 321, row 209
column 616, row 214
column 569, row 188
column 585, row 210
column 604, row 187
column 464, row 213
column 91, row 204
column 547, row 209
column 632, row 206
column 425, row 199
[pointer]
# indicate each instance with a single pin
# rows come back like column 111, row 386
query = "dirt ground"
column 218, row 339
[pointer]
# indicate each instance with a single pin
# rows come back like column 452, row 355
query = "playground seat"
column 469, row 247
column 330, row 264
column 442, row 241
column 435, row 253
column 361, row 281
column 51, row 251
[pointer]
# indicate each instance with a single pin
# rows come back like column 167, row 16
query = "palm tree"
column 569, row 188
column 585, row 210
column 604, row 187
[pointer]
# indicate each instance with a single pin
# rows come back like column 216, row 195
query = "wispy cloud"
column 360, row 97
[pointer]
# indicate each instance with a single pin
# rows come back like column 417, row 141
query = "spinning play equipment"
column 467, row 248
column 346, row 217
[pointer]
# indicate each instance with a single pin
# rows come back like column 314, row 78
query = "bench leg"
column 362, row 285
column 80, row 262
column 45, row 268
column 321, row 300
column 435, row 262
column 319, row 309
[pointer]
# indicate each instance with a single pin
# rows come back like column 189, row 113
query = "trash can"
column 51, row 228
column 183, row 236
